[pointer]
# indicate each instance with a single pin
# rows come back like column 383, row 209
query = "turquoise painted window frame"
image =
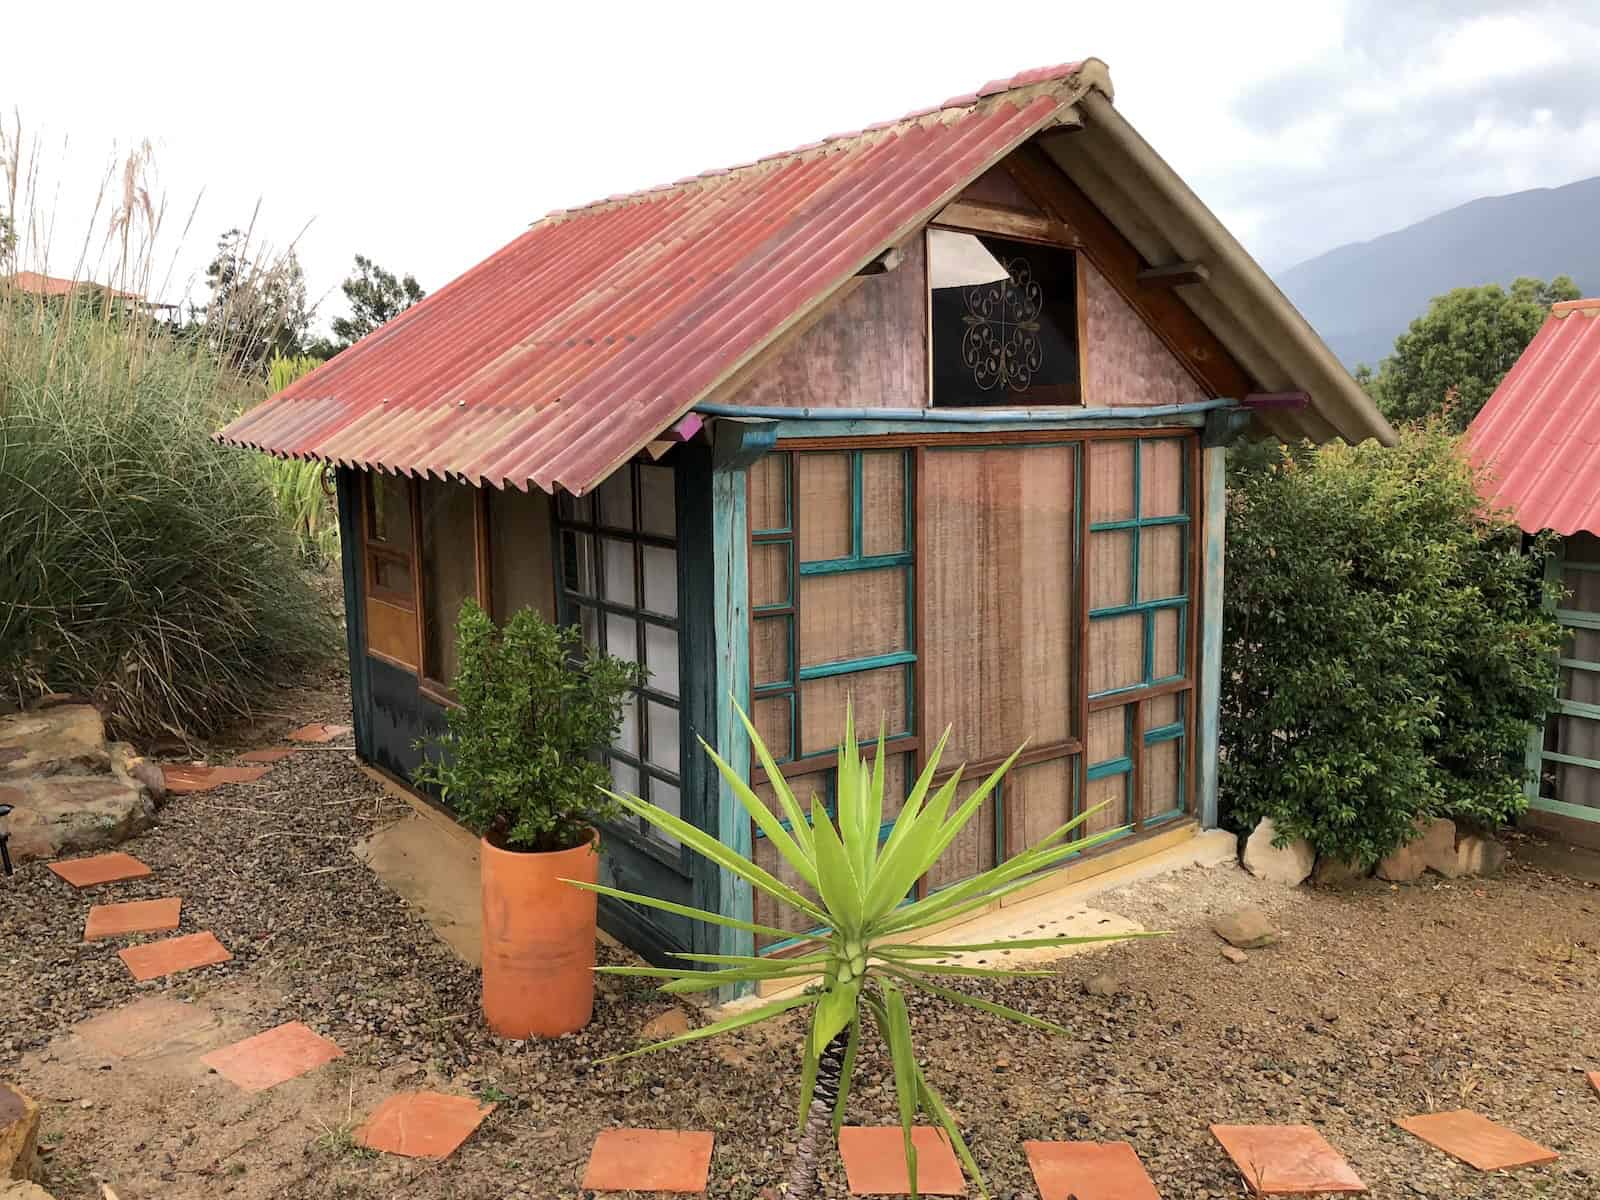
column 1555, row 567
column 1148, row 609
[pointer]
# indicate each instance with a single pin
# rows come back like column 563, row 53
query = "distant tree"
column 376, row 296
column 1453, row 356
column 8, row 242
column 257, row 307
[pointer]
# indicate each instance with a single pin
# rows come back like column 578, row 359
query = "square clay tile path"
column 100, row 868
column 1089, row 1171
column 649, row 1160
column 136, row 916
column 183, row 778
column 875, row 1161
column 421, row 1124
column 1286, row 1160
column 156, row 959
column 319, row 733
column 150, row 1028
column 273, row 1057
column 1476, row 1141
column 275, row 754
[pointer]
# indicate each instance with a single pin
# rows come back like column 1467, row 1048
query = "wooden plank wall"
column 869, row 351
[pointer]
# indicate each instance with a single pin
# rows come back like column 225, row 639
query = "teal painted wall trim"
column 982, row 418
column 1534, row 759
column 731, row 618
column 348, row 484
column 1128, row 418
column 1214, row 466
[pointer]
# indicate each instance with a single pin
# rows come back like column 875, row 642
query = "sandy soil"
column 1378, row 1003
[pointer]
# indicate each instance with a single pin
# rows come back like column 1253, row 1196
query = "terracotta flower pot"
column 538, row 939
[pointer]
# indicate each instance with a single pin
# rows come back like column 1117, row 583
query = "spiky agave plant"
column 865, row 954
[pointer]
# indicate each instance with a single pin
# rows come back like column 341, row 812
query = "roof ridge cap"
column 1565, row 308
column 1069, row 79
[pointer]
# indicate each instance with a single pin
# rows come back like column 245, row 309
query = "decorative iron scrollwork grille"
column 1001, row 344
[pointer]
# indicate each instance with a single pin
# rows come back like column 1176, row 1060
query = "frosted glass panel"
column 618, row 565
column 624, row 778
column 663, row 736
column 622, row 637
column 657, row 512
column 664, row 795
column 661, row 656
column 628, row 734
column 660, row 580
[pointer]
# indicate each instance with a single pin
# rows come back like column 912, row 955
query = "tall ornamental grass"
column 140, row 562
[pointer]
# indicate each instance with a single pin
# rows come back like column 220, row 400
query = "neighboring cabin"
column 932, row 415
column 1539, row 435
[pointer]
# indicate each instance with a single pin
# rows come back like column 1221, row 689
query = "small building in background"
column 932, row 416
column 1539, row 437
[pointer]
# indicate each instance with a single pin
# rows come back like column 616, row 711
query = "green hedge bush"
column 140, row 562
column 1385, row 650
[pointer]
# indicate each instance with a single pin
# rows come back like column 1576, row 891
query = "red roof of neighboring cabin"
column 1540, row 431
column 51, row 285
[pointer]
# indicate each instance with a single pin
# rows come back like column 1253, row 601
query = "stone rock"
column 1337, row 872
column 1248, row 929
column 19, row 1133
column 72, row 790
column 1479, row 855
column 1405, row 865
column 668, row 1024
column 23, row 1190
column 1235, row 955
column 1438, row 843
column 1102, row 985
column 1288, row 864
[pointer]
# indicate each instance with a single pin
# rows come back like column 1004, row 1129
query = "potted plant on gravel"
column 518, row 764
column 863, row 950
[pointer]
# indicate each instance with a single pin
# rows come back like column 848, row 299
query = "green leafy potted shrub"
column 864, row 949
column 518, row 764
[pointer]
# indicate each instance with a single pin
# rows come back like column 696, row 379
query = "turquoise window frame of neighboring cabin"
column 1570, row 618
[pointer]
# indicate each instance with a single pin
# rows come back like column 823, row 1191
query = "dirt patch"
column 1377, row 1003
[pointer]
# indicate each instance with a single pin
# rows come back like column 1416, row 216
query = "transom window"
column 619, row 582
column 1005, row 321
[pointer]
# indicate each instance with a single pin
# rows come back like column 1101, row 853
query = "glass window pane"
column 628, row 732
column 616, row 499
column 665, row 795
column 619, row 583
column 449, row 571
column 624, row 777
column 663, row 735
column 392, row 576
column 660, row 580
column 769, row 573
column 577, row 562
column 579, row 509
column 589, row 623
column 519, row 553
column 661, row 657
column 1005, row 321
column 622, row 637
column 391, row 510
column 657, row 505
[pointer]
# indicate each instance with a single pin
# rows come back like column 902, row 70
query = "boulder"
column 1246, row 928
column 1405, row 865
column 1103, row 985
column 23, row 1190
column 1479, row 855
column 1338, row 872
column 1289, row 864
column 1235, row 955
column 668, row 1024
column 19, row 1133
column 72, row 790
column 1433, row 846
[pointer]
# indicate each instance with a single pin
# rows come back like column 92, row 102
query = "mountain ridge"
column 1360, row 296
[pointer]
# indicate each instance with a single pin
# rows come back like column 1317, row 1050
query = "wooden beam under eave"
column 1174, row 274
column 972, row 217
column 1168, row 317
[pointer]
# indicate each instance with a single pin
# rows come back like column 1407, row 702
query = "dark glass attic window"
column 1005, row 322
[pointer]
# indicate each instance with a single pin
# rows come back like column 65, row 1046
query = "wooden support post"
column 1210, row 697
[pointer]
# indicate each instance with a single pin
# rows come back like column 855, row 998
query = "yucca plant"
column 863, row 948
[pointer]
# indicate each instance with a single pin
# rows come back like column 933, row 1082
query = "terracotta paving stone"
column 649, row 1160
column 183, row 778
column 272, row 755
column 100, row 868
column 273, row 1057
column 318, row 733
column 1476, row 1140
column 875, row 1161
column 421, row 1124
column 152, row 960
column 136, row 916
column 1089, row 1171
column 147, row 1028
column 1287, row 1160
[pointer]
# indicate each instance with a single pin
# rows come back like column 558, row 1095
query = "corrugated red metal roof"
column 51, row 285
column 563, row 354
column 1539, row 433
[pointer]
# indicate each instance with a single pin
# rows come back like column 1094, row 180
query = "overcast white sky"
column 425, row 136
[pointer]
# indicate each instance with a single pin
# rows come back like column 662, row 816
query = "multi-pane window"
column 388, row 553
column 449, row 572
column 1005, row 321
column 619, row 582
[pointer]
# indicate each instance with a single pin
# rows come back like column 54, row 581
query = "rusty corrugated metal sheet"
column 1539, row 434
column 561, row 355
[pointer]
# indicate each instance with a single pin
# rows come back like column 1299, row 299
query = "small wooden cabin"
column 931, row 415
column 1537, row 435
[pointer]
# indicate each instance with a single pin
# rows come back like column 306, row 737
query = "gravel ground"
column 1378, row 1003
